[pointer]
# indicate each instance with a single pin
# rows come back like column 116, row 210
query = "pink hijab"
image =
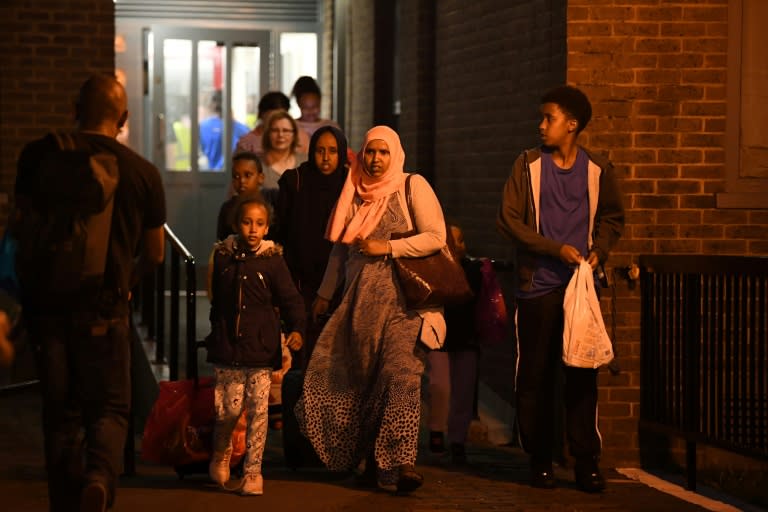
column 373, row 191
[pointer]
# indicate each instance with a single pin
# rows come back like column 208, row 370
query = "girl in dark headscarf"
column 305, row 201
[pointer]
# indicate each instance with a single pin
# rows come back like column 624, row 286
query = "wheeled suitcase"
column 179, row 429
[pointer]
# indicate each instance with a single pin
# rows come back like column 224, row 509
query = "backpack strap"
column 64, row 141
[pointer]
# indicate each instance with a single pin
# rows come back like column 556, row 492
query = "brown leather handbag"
column 435, row 280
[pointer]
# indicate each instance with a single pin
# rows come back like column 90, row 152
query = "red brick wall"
column 47, row 49
column 656, row 75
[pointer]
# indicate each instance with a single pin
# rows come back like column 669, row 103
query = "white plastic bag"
column 586, row 343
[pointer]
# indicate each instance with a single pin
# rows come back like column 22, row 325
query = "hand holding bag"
column 586, row 343
column 434, row 280
column 491, row 319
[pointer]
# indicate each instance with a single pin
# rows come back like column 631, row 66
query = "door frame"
column 194, row 196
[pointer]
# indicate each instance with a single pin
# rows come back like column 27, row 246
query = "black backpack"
column 63, row 234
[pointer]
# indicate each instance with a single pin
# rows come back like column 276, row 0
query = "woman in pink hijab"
column 362, row 387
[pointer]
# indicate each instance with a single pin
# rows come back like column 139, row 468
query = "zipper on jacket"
column 239, row 306
column 261, row 278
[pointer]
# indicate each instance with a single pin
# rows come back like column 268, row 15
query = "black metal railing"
column 153, row 308
column 704, row 352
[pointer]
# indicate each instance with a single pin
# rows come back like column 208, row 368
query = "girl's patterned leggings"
column 237, row 388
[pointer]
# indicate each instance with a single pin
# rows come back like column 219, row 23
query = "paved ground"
column 493, row 481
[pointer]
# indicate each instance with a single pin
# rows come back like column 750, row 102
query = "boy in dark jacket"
column 249, row 279
column 560, row 205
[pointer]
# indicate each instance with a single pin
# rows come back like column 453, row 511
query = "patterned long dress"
column 362, row 385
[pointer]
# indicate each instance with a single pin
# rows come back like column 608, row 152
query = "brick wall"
column 417, row 85
column 656, row 73
column 657, row 77
column 360, row 62
column 47, row 49
column 493, row 60
column 472, row 75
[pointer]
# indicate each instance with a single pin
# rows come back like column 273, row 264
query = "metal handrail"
column 154, row 314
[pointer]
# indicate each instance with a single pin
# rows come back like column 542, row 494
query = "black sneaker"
column 588, row 476
column 408, row 479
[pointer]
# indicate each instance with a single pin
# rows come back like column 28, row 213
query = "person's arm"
column 512, row 220
column 284, row 206
column 152, row 253
column 290, row 303
column 334, row 271
column 609, row 218
column 223, row 229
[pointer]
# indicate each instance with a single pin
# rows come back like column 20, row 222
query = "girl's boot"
column 253, row 485
column 218, row 469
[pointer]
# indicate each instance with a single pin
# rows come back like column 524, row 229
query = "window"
column 298, row 57
column 746, row 133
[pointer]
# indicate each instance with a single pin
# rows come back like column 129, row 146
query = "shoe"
column 218, row 469
column 542, row 475
column 436, row 442
column 458, row 454
column 588, row 476
column 253, row 485
column 93, row 498
column 408, row 480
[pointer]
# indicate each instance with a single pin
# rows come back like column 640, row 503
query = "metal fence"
column 704, row 352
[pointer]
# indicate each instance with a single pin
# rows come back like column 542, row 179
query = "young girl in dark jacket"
column 249, row 279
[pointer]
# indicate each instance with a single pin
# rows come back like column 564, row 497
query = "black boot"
column 408, row 479
column 588, row 476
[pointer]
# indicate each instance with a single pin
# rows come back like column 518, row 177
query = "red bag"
column 491, row 320
column 179, row 429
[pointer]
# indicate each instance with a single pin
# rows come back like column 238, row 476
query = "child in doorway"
column 453, row 369
column 247, row 177
column 249, row 279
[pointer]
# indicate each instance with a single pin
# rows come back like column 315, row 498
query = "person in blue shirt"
column 211, row 132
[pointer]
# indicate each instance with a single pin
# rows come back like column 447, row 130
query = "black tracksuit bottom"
column 539, row 358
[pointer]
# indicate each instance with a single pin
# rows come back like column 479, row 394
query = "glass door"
column 199, row 79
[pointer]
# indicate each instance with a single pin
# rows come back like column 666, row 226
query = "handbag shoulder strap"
column 409, row 201
column 450, row 242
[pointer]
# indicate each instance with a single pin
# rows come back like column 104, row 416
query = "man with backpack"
column 89, row 221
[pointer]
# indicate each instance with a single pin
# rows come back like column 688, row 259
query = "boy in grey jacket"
column 561, row 204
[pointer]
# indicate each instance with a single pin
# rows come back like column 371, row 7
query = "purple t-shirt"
column 563, row 216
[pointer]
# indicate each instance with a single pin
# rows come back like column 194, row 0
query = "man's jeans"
column 84, row 371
